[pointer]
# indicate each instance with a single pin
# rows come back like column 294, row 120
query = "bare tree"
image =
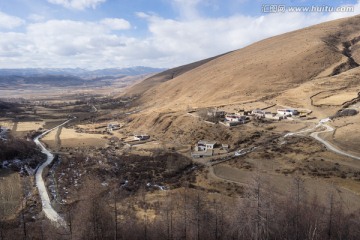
column 115, row 217
column 23, row 220
column 185, row 212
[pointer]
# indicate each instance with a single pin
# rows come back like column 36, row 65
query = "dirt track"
column 329, row 145
column 49, row 211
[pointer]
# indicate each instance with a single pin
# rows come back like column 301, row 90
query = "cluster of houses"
column 205, row 148
column 280, row 114
column 229, row 119
column 242, row 116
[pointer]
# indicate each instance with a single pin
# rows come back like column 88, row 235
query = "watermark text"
column 281, row 8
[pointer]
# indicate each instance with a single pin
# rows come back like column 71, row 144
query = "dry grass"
column 335, row 99
column 347, row 133
column 70, row 138
column 10, row 193
column 265, row 68
column 29, row 126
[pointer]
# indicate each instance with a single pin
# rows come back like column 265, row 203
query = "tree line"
column 192, row 214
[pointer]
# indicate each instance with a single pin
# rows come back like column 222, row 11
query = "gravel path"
column 49, row 211
column 328, row 145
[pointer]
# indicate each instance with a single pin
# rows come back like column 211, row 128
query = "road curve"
column 328, row 145
column 49, row 211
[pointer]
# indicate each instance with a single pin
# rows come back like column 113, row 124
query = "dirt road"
column 49, row 211
column 328, row 145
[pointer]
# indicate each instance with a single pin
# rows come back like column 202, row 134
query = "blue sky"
column 158, row 33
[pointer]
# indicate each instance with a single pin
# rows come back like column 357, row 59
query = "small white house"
column 225, row 146
column 203, row 149
column 113, row 126
column 141, row 137
column 235, row 118
column 258, row 113
column 287, row 112
column 215, row 113
column 204, row 145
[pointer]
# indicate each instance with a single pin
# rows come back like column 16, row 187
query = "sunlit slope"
column 262, row 70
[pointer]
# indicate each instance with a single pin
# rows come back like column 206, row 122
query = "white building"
column 203, row 149
column 258, row 113
column 204, row 145
column 113, row 126
column 216, row 113
column 287, row 112
column 235, row 118
column 141, row 137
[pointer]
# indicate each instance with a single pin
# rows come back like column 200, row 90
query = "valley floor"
column 93, row 162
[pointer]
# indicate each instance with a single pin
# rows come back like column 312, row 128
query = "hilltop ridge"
column 260, row 71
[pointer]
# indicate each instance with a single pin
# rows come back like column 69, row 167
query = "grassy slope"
column 265, row 68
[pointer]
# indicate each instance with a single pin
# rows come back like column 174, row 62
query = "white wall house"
column 215, row 113
column 141, row 137
column 287, row 112
column 258, row 113
column 203, row 149
column 204, row 145
column 235, row 118
column 113, row 126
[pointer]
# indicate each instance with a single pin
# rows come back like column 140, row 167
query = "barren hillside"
column 260, row 71
column 167, row 75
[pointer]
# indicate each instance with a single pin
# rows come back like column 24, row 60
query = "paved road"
column 315, row 135
column 329, row 145
column 49, row 211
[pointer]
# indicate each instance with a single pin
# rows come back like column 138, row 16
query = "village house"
column 287, row 112
column 216, row 113
column 273, row 116
column 113, row 126
column 141, row 137
column 258, row 113
column 204, row 145
column 231, row 117
column 203, row 149
column 225, row 147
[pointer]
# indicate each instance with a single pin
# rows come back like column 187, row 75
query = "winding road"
column 315, row 135
column 49, row 211
column 328, row 145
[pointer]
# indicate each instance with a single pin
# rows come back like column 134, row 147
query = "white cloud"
column 168, row 43
column 9, row 22
column 78, row 4
column 186, row 40
column 36, row 17
column 14, row 44
column 187, row 8
column 142, row 15
column 70, row 38
column 61, row 43
column 116, row 23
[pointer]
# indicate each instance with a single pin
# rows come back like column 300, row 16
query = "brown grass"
column 10, row 193
column 265, row 68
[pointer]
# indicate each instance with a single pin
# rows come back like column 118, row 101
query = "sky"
column 95, row 34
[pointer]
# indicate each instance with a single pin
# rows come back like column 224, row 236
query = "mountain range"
column 63, row 77
column 79, row 72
